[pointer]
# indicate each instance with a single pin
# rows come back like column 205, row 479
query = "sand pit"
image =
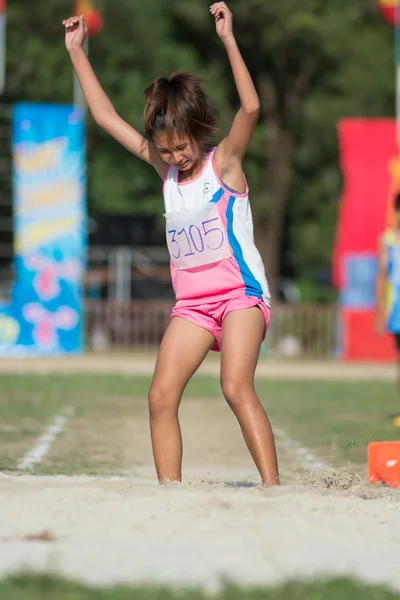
column 131, row 530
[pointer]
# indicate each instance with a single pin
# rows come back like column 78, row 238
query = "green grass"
column 31, row 587
column 335, row 419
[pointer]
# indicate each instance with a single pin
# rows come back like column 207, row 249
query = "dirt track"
column 143, row 363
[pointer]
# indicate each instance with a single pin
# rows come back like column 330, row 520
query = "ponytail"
column 178, row 105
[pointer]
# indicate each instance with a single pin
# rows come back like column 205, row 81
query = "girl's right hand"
column 76, row 31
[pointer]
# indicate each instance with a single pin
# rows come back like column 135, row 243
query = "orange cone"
column 384, row 463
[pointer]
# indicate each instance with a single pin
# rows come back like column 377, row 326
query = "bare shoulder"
column 229, row 168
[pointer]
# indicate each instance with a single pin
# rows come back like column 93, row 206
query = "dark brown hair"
column 178, row 104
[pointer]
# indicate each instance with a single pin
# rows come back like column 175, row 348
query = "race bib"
column 196, row 237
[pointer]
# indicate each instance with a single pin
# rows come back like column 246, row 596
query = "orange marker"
column 384, row 463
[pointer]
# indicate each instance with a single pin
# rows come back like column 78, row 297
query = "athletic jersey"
column 392, row 242
column 209, row 230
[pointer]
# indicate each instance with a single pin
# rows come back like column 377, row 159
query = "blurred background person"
column 388, row 287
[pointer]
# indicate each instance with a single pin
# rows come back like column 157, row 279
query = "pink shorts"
column 210, row 316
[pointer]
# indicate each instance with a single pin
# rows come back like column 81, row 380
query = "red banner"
column 360, row 342
column 367, row 157
column 371, row 178
column 3, row 6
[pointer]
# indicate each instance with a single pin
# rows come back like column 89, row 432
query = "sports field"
column 79, row 496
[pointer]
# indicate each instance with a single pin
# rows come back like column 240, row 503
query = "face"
column 178, row 151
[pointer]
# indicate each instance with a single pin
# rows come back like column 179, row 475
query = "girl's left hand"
column 223, row 20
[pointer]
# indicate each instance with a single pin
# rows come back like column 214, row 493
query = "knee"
column 237, row 393
column 161, row 402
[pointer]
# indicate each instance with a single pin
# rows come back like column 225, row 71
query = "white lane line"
column 307, row 458
column 43, row 444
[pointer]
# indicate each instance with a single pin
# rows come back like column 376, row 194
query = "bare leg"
column 182, row 351
column 242, row 335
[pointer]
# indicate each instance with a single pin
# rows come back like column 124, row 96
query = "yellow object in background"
column 9, row 329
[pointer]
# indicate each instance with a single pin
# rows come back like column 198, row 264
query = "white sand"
column 127, row 530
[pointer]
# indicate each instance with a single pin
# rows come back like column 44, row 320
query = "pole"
column 2, row 45
column 79, row 98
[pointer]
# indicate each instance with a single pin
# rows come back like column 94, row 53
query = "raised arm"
column 233, row 148
column 98, row 102
column 380, row 287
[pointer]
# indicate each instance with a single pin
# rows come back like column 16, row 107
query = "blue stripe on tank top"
column 218, row 195
column 253, row 287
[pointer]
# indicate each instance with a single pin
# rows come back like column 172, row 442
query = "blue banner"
column 45, row 314
column 360, row 271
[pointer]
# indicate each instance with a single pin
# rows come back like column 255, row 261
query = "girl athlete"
column 222, row 297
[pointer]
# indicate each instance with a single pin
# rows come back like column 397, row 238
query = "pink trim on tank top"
column 201, row 172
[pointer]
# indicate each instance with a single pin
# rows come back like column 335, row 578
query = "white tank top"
column 209, row 231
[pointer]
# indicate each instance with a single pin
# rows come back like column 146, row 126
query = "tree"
column 136, row 45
